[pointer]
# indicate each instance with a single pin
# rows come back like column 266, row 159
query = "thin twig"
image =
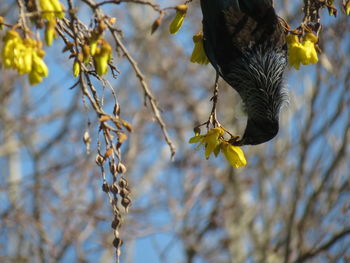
column 148, row 94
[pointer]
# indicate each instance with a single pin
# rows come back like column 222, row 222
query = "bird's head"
column 258, row 131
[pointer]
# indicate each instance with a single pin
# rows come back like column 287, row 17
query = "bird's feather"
column 245, row 42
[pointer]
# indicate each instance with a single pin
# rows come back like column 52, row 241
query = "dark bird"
column 245, row 42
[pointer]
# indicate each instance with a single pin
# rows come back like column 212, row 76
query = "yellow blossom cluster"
column 101, row 53
column 24, row 55
column 50, row 10
column 198, row 53
column 214, row 142
column 102, row 56
column 302, row 52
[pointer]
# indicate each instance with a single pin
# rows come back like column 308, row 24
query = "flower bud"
column 347, row 7
column 50, row 32
column 156, row 25
column 181, row 8
column 177, row 21
column 76, row 68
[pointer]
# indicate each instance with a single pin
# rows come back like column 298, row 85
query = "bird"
column 245, row 42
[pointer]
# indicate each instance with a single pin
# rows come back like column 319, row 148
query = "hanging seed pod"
column 121, row 168
column 105, row 187
column 123, row 182
column 124, row 192
column 127, row 126
column 112, row 20
column 86, row 137
column 113, row 168
column 156, row 25
column 99, row 160
column 115, row 188
column 104, row 118
column 116, row 223
column 122, row 137
column 126, row 202
column 117, row 242
column 108, row 153
column 101, row 26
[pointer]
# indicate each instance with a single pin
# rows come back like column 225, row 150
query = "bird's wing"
column 232, row 26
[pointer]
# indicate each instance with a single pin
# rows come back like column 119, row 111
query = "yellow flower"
column 214, row 142
column 233, row 154
column 76, row 68
column 24, row 55
column 302, row 53
column 295, row 49
column 51, row 9
column 197, row 138
column 347, row 8
column 11, row 50
column 58, row 8
column 176, row 24
column 102, row 57
column 39, row 70
column 50, row 32
column 310, row 53
column 34, row 78
column 198, row 53
column 25, row 59
column 211, row 140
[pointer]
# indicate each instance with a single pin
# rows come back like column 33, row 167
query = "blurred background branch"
column 290, row 204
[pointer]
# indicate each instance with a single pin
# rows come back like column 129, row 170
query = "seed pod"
column 108, row 153
column 156, row 25
column 126, row 202
column 127, row 126
column 112, row 20
column 121, row 168
column 115, row 189
column 102, row 26
column 116, row 223
column 99, row 160
column 124, row 193
column 113, row 168
column 117, row 242
column 104, row 118
column 123, row 183
column 86, row 137
column 122, row 137
column 105, row 187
